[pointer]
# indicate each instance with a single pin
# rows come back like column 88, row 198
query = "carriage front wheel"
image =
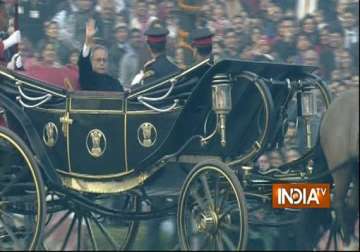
column 212, row 213
column 22, row 200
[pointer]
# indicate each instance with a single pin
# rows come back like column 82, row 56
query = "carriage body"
column 109, row 142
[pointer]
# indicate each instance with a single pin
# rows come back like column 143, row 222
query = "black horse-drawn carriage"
column 82, row 162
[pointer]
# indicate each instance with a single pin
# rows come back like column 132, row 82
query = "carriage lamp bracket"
column 205, row 140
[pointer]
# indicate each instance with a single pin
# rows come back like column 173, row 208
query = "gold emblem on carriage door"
column 96, row 143
column 147, row 134
column 50, row 134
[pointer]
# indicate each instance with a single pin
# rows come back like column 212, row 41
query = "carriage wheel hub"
column 208, row 222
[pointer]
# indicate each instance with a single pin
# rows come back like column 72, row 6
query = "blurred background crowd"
column 315, row 32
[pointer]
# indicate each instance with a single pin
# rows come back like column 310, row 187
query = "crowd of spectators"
column 246, row 29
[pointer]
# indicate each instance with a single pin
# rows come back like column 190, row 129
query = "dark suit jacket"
column 157, row 68
column 89, row 80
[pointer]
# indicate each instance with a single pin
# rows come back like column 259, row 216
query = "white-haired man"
column 93, row 64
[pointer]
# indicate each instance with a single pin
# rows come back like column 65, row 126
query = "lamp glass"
column 308, row 103
column 221, row 98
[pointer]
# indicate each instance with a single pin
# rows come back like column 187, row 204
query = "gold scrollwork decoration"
column 50, row 134
column 96, row 143
column 147, row 135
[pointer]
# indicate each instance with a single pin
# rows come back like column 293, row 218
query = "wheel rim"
column 212, row 215
column 77, row 227
column 21, row 196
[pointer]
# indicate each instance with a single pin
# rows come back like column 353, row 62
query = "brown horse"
column 339, row 141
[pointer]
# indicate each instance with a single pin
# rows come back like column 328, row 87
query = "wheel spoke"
column 328, row 243
column 79, row 233
column 13, row 181
column 68, row 233
column 217, row 188
column 49, row 218
column 227, row 211
column 223, row 199
column 57, row 224
column 205, row 183
column 198, row 199
column 214, row 243
column 18, row 199
column 219, row 242
column 194, row 233
column 105, row 232
column 7, row 214
column 11, row 233
column 205, row 241
column 227, row 240
column 335, row 240
column 21, row 185
column 91, row 234
column 230, row 227
column 87, row 230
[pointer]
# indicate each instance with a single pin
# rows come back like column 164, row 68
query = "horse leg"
column 342, row 178
column 353, row 203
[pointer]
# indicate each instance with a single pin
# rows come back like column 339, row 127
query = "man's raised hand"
column 90, row 31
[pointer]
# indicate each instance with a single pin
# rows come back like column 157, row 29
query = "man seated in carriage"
column 93, row 64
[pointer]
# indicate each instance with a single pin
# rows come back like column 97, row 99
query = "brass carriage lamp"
column 221, row 102
column 309, row 108
column 308, row 103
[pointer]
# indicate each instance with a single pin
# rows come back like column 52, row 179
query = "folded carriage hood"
column 193, row 115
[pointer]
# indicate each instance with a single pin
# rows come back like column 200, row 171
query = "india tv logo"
column 301, row 195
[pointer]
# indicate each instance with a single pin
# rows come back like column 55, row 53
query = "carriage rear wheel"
column 212, row 213
column 22, row 200
column 71, row 225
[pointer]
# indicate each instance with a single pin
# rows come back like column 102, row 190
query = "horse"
column 336, row 160
column 339, row 141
